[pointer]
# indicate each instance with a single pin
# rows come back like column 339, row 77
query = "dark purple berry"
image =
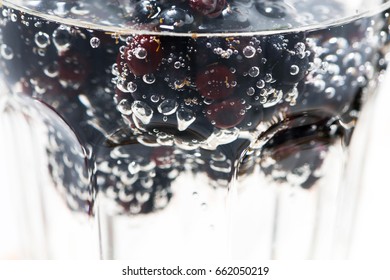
column 145, row 11
column 175, row 19
column 209, row 8
column 215, row 82
column 226, row 114
column 144, row 54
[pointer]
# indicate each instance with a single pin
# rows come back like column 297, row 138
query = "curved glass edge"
column 127, row 30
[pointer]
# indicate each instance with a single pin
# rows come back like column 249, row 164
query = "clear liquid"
column 178, row 146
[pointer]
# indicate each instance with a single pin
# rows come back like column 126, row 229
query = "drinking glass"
column 139, row 129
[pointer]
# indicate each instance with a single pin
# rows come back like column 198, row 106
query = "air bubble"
column 5, row 13
column 177, row 64
column 131, row 87
column 6, row 52
column 294, row 70
column 292, row 96
column 260, row 84
column 218, row 156
column 249, row 51
column 155, row 98
column 221, row 166
column 338, row 81
column 42, row 40
column 268, row 78
column 274, row 97
column 300, row 47
column 51, row 70
column 168, row 107
column 208, row 101
column 140, row 53
column 41, row 52
column 14, row 17
column 319, row 85
column 149, row 78
column 161, row 200
column 330, row 92
column 62, row 38
column 142, row 111
column 254, row 72
column 124, row 107
column 185, row 117
column 250, row 91
column 95, row 42
column 352, row 59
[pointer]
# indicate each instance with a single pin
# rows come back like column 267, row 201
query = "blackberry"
column 145, row 11
column 295, row 154
column 137, row 178
column 175, row 19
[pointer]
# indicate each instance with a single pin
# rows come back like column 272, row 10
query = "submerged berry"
column 226, row 114
column 144, row 54
column 215, row 82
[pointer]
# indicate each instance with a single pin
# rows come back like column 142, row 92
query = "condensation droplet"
column 95, row 42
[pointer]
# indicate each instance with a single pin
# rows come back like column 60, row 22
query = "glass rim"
column 129, row 30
